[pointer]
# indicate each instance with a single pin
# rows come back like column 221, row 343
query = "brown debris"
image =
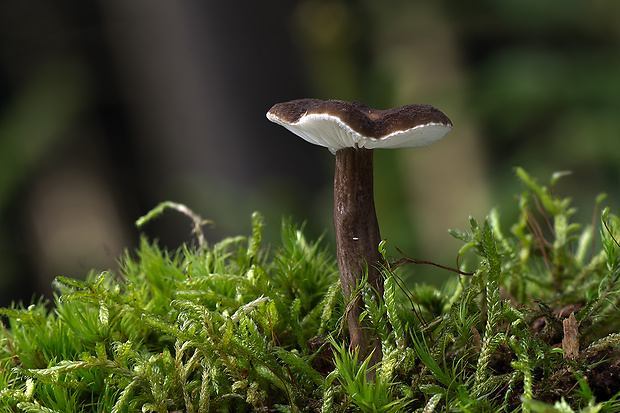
column 570, row 342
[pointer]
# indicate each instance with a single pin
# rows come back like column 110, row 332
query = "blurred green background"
column 109, row 107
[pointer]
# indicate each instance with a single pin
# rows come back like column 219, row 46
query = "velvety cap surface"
column 337, row 124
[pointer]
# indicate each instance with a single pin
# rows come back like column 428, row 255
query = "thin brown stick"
column 407, row 259
column 610, row 233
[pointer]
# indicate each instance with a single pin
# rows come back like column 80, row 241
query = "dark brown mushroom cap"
column 337, row 124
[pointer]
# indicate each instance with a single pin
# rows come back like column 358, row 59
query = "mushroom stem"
column 357, row 240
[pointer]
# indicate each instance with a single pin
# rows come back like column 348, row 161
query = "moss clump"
column 237, row 326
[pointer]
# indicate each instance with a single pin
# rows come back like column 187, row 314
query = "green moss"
column 241, row 326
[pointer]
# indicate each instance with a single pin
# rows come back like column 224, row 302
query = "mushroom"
column 351, row 131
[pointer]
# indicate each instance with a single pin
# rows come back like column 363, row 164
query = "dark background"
column 109, row 107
